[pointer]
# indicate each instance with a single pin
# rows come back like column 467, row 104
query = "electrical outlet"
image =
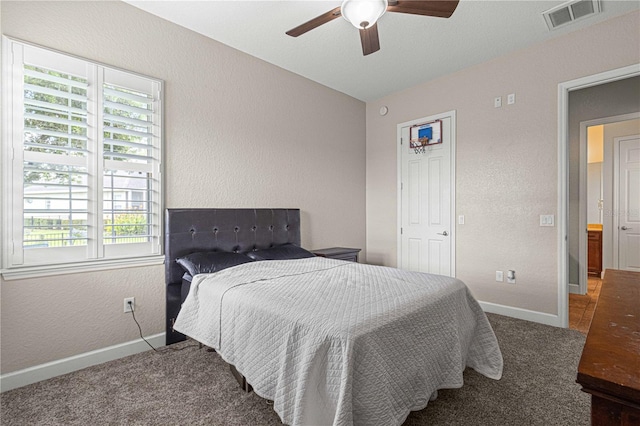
column 499, row 276
column 511, row 99
column 511, row 276
column 128, row 307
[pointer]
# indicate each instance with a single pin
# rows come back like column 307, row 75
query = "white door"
column 426, row 206
column 628, row 178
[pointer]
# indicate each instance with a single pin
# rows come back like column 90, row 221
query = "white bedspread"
column 335, row 342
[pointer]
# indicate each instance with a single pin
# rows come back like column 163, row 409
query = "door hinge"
column 401, row 231
column 401, row 141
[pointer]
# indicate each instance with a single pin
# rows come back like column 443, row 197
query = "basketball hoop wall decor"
column 423, row 135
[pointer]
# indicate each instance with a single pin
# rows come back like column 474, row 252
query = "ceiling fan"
column 363, row 14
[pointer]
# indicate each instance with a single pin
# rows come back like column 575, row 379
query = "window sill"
column 23, row 272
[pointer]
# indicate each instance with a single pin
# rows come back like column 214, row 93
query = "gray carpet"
column 192, row 386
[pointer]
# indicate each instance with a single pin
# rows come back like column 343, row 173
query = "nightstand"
column 342, row 253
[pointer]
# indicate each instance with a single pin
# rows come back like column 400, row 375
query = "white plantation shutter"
column 55, row 185
column 131, row 190
column 82, row 160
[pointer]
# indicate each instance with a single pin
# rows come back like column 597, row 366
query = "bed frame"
column 228, row 230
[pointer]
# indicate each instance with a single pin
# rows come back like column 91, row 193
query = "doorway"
column 606, row 200
column 608, row 98
column 426, row 175
column 603, row 205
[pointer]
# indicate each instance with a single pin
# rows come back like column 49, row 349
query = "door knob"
column 624, row 228
column 445, row 233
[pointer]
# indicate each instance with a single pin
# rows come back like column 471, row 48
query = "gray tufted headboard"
column 230, row 230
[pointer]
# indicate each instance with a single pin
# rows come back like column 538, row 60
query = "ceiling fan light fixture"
column 363, row 14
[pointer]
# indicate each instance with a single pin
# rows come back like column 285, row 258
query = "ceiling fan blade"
column 438, row 8
column 315, row 22
column 369, row 39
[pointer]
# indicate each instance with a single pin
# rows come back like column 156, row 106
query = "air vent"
column 569, row 12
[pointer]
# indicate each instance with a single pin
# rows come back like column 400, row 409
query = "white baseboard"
column 574, row 288
column 523, row 314
column 59, row 367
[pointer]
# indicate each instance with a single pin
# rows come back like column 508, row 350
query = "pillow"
column 285, row 251
column 211, row 261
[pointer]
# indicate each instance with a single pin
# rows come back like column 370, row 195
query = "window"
column 81, row 163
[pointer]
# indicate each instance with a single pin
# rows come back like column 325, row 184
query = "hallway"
column 582, row 307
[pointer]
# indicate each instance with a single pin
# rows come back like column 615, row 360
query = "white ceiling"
column 414, row 49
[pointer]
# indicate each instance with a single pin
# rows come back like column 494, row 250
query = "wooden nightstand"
column 342, row 253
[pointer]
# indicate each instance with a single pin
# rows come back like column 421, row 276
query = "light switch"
column 461, row 219
column 546, row 220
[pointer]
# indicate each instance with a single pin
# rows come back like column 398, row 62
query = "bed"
column 328, row 341
column 198, row 230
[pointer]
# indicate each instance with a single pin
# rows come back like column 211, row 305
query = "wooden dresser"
column 609, row 368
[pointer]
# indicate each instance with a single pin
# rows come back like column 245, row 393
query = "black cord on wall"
column 140, row 328
column 133, row 315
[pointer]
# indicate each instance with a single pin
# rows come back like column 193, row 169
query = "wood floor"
column 581, row 307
